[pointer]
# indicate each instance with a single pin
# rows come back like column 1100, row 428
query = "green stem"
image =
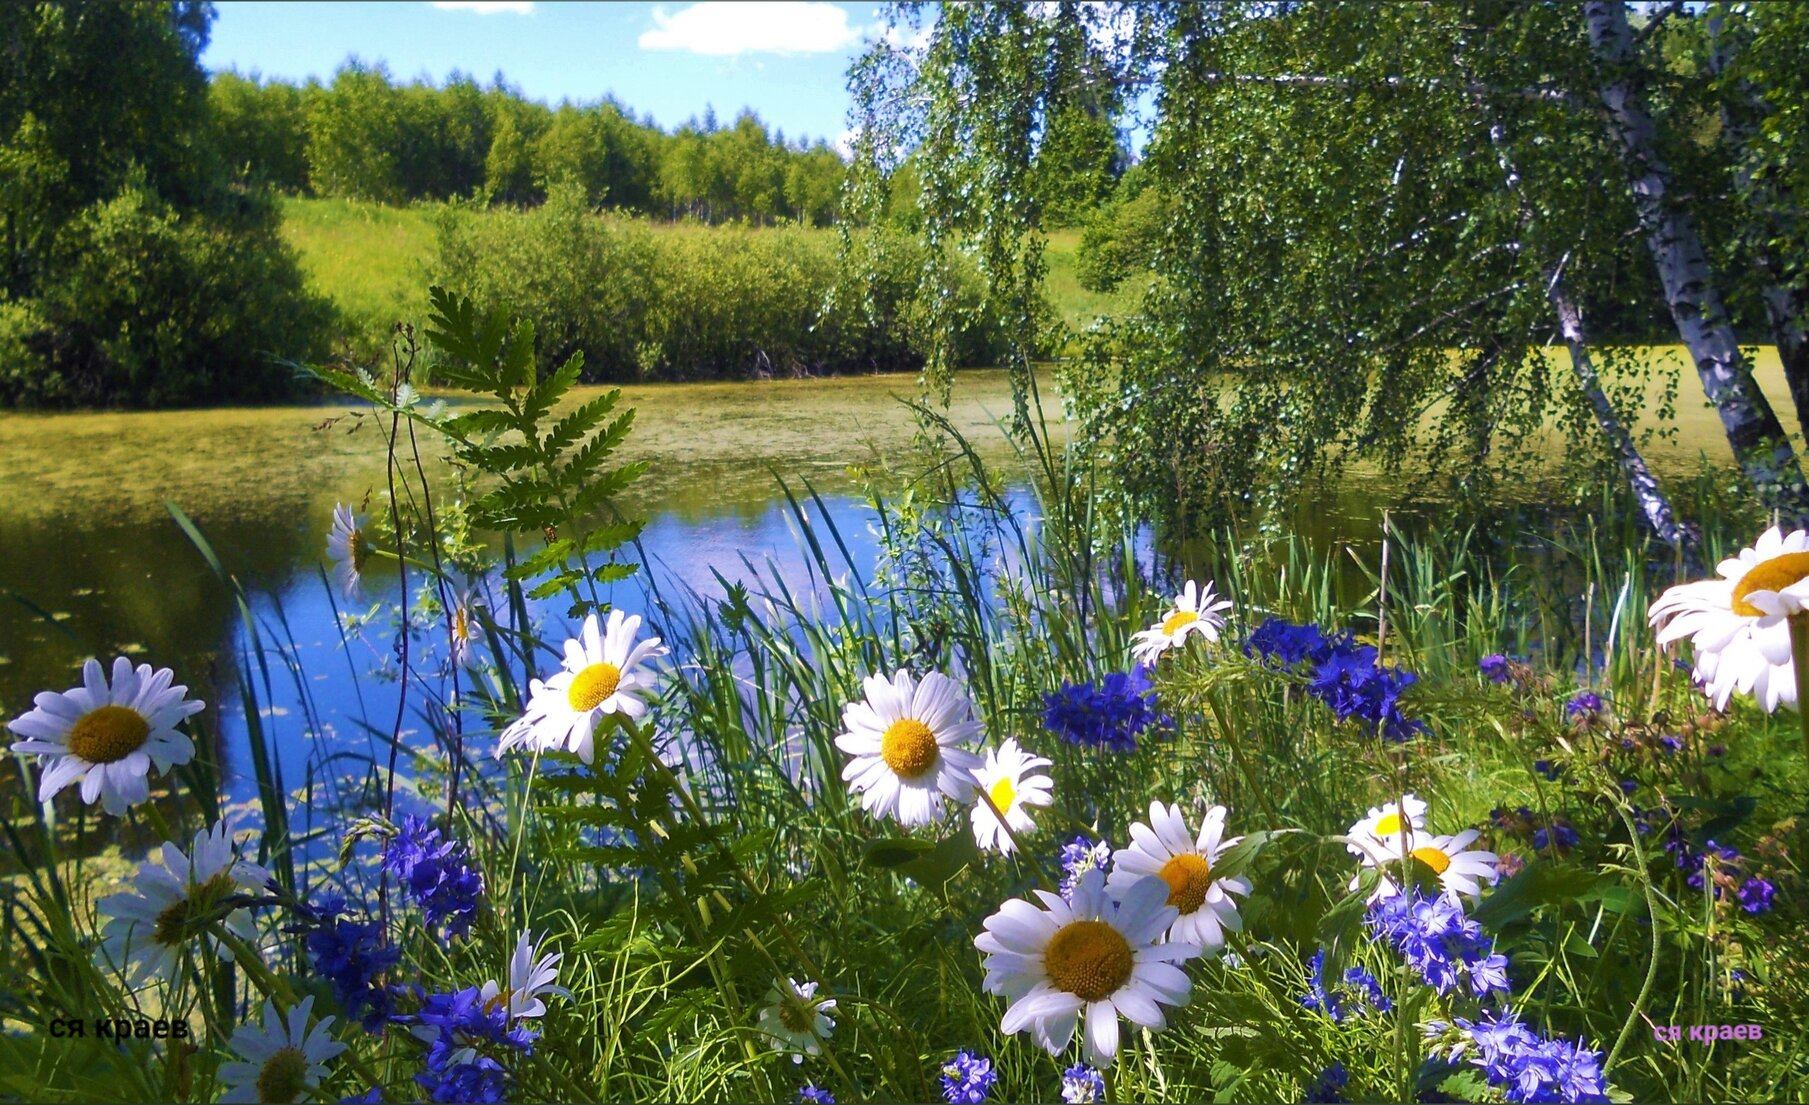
column 1228, row 738
column 1645, row 990
column 1799, row 659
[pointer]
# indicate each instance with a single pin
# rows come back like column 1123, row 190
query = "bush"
column 143, row 306
column 690, row 302
column 1121, row 239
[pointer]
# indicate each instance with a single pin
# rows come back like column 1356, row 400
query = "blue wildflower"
column 438, row 874
column 1371, row 989
column 1114, row 712
column 469, row 1034
column 1343, row 674
column 1287, row 644
column 1494, row 668
column 1082, row 1085
column 1317, row 996
column 1440, row 943
column 1079, row 856
column 809, row 1094
column 1329, row 1086
column 1546, row 768
column 350, row 955
column 1756, row 894
column 967, row 1079
column 1584, row 706
column 1530, row 1069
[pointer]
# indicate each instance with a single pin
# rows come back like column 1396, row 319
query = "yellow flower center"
column 1089, row 959
column 461, row 624
column 1434, row 859
column 1178, row 621
column 357, row 548
column 1003, row 793
column 108, row 734
column 592, row 685
column 1389, row 825
column 284, row 1077
column 797, row 1016
column 1188, row 877
column 909, row 748
column 183, row 918
column 1769, row 575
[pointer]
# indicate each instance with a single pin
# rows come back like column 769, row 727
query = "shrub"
column 689, row 302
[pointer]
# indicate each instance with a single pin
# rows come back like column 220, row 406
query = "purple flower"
column 1082, row 1085
column 1584, row 706
column 1756, row 895
column 967, row 1079
column 1547, row 769
column 809, row 1094
column 437, row 874
column 1113, row 713
column 1329, row 1086
column 1343, row 674
column 350, row 955
column 1439, row 942
column 469, row 1034
column 1079, row 856
column 1494, row 668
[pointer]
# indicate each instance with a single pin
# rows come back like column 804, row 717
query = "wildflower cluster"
column 1341, row 673
column 350, row 955
column 1082, row 1085
column 1330, row 1000
column 437, row 873
column 967, row 1079
column 1112, row 713
column 1079, row 856
column 1525, row 1066
column 466, row 1035
column 1439, row 941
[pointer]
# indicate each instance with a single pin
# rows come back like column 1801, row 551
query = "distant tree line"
column 365, row 136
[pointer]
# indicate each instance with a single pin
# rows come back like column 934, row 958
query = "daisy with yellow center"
column 108, row 735
column 605, row 675
column 1185, row 863
column 795, row 1019
column 1012, row 779
column 1085, row 962
column 173, row 900
column 1739, row 623
column 1446, row 860
column 283, row 1062
column 349, row 548
column 466, row 632
column 909, row 742
column 1196, row 612
column 1380, row 832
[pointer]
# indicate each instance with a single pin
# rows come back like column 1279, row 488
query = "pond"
column 93, row 564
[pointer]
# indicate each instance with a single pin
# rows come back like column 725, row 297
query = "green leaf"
column 895, row 851
column 1539, row 884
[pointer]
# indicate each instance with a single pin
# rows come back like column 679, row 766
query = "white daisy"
column 283, row 1062
column 1013, row 780
column 1383, row 828
column 1458, row 868
column 348, row 547
column 466, row 631
column 1197, row 611
column 908, row 740
column 795, row 1019
column 530, row 975
column 1184, row 862
column 1087, row 958
column 173, row 899
column 108, row 736
column 1740, row 622
column 604, row 674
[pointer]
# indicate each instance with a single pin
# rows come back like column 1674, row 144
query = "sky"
column 787, row 61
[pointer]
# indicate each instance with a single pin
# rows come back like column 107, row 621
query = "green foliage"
column 132, row 271
column 1121, row 240
column 639, row 301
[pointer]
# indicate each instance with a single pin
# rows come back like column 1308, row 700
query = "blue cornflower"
column 1329, row 1086
column 438, row 875
column 1528, row 1068
column 1287, row 644
column 1756, row 894
column 967, row 1079
column 1672, row 744
column 1546, row 768
column 809, row 1094
column 1114, row 712
column 1584, row 706
column 1494, row 668
column 1079, row 856
column 350, row 955
column 469, row 1034
column 1317, row 996
column 1439, row 942
column 1371, row 989
column 372, row 1096
column 1082, row 1085
column 1341, row 673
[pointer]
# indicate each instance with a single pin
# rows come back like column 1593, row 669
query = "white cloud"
column 485, row 7
column 725, row 30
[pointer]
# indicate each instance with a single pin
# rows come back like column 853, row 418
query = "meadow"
column 1425, row 816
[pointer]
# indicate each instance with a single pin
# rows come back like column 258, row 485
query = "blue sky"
column 785, row 60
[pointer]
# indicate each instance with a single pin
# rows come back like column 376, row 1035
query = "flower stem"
column 1799, row 659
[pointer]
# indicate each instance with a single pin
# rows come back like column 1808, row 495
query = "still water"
column 91, row 562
